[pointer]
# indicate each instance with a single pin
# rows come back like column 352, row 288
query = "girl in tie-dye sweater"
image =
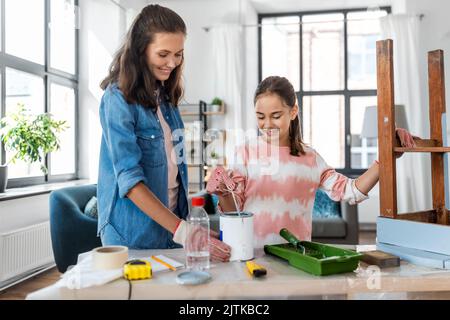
column 276, row 176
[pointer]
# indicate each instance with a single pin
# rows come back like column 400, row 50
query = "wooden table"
column 232, row 281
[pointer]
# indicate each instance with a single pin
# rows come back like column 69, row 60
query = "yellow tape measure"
column 137, row 270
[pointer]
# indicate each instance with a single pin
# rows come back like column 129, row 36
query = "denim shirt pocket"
column 151, row 142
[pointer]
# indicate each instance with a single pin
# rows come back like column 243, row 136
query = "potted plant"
column 214, row 158
column 216, row 104
column 29, row 137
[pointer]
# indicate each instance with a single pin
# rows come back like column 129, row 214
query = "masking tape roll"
column 109, row 257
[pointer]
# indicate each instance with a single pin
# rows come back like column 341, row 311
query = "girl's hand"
column 220, row 182
column 406, row 140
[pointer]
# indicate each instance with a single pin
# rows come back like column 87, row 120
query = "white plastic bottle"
column 197, row 240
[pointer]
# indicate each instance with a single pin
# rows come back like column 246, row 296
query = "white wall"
column 102, row 28
column 23, row 212
column 435, row 34
column 251, row 62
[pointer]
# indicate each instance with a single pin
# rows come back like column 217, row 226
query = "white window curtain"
column 410, row 86
column 227, row 44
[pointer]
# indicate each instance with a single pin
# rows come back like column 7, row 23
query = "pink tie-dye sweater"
column 279, row 189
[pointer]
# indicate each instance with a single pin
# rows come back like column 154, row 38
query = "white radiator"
column 25, row 250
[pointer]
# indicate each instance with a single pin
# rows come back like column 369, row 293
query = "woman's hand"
column 196, row 239
column 218, row 250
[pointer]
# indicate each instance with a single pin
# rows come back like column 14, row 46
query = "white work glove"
column 197, row 239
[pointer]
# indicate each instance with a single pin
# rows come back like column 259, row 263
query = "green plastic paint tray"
column 319, row 259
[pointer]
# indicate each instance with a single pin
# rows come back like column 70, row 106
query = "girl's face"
column 274, row 117
column 165, row 53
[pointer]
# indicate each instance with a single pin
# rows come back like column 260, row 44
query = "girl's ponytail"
column 296, row 138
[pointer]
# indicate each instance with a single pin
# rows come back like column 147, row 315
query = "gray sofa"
column 333, row 230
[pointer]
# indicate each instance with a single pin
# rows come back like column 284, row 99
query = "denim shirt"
column 132, row 151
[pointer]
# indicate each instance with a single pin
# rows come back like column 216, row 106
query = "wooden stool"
column 421, row 237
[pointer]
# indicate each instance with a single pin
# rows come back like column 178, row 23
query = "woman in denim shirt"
column 142, row 183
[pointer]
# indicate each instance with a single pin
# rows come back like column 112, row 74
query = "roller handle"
column 286, row 234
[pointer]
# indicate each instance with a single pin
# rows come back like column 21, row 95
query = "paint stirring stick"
column 235, row 203
column 230, row 184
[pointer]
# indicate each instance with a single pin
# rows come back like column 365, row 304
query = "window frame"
column 49, row 76
column 347, row 93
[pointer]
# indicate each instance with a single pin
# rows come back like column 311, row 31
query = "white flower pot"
column 214, row 108
column 3, row 177
column 214, row 162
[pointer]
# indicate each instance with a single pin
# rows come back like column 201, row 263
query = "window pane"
column 324, row 127
column 24, row 29
column 62, row 107
column 363, row 31
column 281, row 49
column 62, row 35
column 363, row 150
column 323, row 52
column 26, row 89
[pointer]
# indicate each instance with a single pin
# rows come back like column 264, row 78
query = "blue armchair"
column 72, row 232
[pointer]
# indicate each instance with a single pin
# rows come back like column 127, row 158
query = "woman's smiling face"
column 165, row 53
column 274, row 117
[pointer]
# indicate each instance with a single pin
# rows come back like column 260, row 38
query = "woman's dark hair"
column 284, row 89
column 129, row 67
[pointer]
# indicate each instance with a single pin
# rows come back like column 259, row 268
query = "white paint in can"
column 236, row 230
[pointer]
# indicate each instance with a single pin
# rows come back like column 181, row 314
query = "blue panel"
column 419, row 257
column 446, row 176
column 417, row 235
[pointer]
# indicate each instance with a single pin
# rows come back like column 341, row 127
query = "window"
column 62, row 107
column 38, row 62
column 330, row 58
column 62, row 35
column 363, row 151
column 28, row 89
column 323, row 52
column 24, row 29
column 282, row 33
column 326, row 134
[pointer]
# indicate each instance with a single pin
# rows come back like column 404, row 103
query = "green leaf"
column 30, row 137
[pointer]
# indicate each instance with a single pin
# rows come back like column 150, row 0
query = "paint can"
column 236, row 230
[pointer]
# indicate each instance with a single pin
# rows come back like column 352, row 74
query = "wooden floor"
column 20, row 291
column 47, row 278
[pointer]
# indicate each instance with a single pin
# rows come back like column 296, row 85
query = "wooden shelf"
column 206, row 113
column 422, row 145
column 213, row 113
column 423, row 149
column 189, row 113
column 199, row 113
